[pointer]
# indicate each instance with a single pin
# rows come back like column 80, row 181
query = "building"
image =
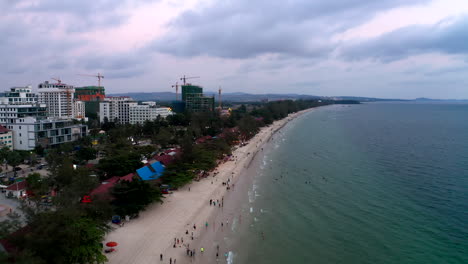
column 17, row 189
column 194, row 99
column 140, row 113
column 29, row 123
column 79, row 110
column 58, row 97
column 90, row 93
column 116, row 109
column 30, row 132
column 91, row 96
column 151, row 171
column 190, row 90
column 20, row 95
column 6, row 138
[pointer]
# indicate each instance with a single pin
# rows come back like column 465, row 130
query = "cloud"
column 447, row 37
column 76, row 16
column 244, row 28
column 122, row 65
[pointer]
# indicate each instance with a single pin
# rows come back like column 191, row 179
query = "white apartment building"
column 140, row 113
column 58, row 97
column 30, row 132
column 79, row 110
column 29, row 123
column 116, row 108
column 19, row 95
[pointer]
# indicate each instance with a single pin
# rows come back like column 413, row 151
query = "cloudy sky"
column 384, row 48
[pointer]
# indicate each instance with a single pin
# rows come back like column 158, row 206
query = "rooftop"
column 151, row 171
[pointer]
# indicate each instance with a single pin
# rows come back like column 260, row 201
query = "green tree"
column 85, row 153
column 37, row 185
column 3, row 155
column 14, row 159
column 163, row 137
column 64, row 236
column 131, row 197
column 248, row 127
column 146, row 151
column 120, row 165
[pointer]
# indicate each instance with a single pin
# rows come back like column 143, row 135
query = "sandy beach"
column 188, row 210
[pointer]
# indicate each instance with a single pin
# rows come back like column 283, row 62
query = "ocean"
column 371, row 183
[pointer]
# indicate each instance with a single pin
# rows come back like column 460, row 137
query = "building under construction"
column 91, row 96
column 194, row 99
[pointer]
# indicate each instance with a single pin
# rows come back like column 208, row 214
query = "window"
column 21, row 142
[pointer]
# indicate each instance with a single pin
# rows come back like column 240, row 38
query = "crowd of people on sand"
column 190, row 251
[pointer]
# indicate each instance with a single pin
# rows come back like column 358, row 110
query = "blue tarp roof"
column 151, row 171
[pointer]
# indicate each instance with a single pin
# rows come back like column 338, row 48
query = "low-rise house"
column 17, row 189
column 103, row 190
column 151, row 171
column 6, row 138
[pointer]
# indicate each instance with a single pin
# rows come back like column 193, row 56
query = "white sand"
column 142, row 240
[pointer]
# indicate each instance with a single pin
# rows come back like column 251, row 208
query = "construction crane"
column 99, row 76
column 219, row 93
column 185, row 78
column 176, row 86
column 59, row 81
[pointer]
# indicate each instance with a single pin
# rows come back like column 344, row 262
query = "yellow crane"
column 99, row 76
column 176, row 86
column 186, row 78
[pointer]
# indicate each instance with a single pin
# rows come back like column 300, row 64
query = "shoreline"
column 156, row 231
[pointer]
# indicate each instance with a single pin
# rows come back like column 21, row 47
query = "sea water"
column 370, row 183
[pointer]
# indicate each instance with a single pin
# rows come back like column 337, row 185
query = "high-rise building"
column 194, row 99
column 116, row 109
column 91, row 96
column 58, row 97
column 90, row 93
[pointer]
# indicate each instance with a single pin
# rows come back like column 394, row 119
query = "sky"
column 387, row 48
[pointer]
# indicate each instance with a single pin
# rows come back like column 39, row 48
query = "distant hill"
column 423, row 99
column 245, row 97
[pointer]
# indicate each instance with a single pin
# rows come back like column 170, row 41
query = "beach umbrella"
column 111, row 244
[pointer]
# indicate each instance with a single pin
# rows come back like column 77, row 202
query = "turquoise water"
column 371, row 183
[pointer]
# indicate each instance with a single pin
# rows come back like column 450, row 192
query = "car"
column 17, row 168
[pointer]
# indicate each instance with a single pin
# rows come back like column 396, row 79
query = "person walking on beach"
column 211, row 201
column 206, row 225
column 202, row 250
column 161, row 257
column 170, row 260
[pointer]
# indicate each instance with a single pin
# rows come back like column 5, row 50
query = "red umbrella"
column 111, row 244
